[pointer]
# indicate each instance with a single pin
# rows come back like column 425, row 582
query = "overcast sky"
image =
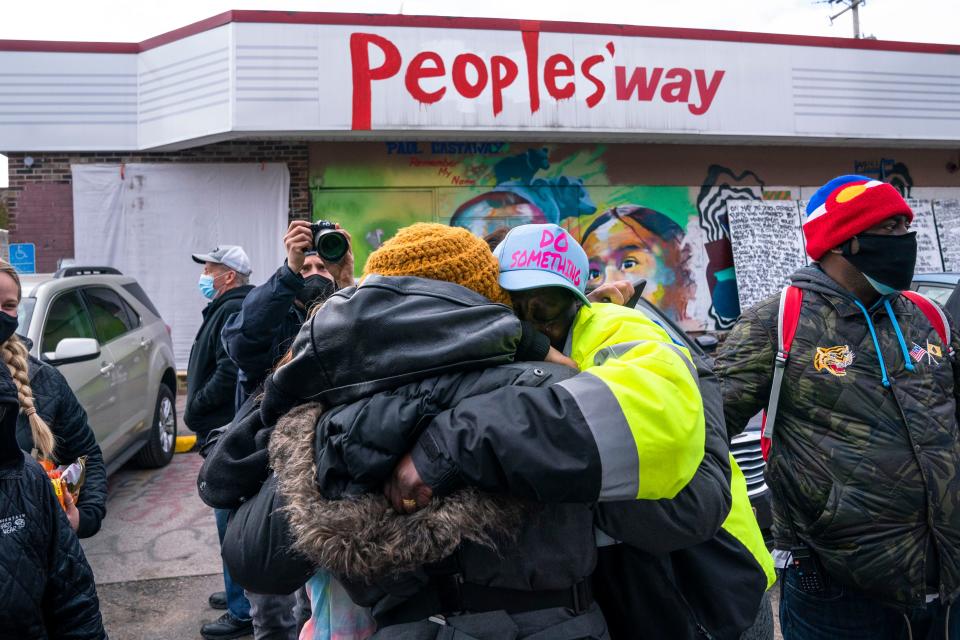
column 133, row 21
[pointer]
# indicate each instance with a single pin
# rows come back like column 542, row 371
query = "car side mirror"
column 71, row 350
column 707, row 342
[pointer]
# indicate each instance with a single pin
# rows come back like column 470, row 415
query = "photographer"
column 271, row 315
column 254, row 339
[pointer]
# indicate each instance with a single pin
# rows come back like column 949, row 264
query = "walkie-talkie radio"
column 806, row 567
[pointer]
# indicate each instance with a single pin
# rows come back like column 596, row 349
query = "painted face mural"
column 633, row 243
column 720, row 187
column 674, row 237
column 486, row 213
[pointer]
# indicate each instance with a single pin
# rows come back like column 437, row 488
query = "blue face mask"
column 205, row 284
column 882, row 289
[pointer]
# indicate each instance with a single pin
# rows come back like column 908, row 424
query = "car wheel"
column 163, row 433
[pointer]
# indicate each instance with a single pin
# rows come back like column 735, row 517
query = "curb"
column 185, row 444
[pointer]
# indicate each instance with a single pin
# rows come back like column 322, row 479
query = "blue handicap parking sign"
column 23, row 257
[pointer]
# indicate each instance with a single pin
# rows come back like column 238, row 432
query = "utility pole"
column 852, row 6
column 855, row 7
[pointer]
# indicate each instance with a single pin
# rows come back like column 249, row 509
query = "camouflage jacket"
column 868, row 472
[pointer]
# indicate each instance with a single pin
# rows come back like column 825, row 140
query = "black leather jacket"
column 381, row 395
column 434, row 326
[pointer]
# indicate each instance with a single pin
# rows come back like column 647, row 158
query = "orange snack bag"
column 65, row 478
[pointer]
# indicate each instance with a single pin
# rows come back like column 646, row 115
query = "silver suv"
column 99, row 328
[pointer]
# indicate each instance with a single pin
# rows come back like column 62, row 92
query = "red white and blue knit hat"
column 846, row 206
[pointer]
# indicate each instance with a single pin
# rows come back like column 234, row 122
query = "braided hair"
column 14, row 354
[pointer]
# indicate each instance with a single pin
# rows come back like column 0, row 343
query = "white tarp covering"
column 146, row 220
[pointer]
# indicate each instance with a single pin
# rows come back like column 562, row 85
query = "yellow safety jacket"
column 640, row 432
column 630, row 362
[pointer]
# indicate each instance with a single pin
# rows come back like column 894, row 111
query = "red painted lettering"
column 588, row 64
column 546, row 238
column 533, row 258
column 516, row 258
column 708, row 91
column 559, row 66
column 531, row 48
column 460, row 81
column 645, row 89
column 679, row 89
column 425, row 77
column 503, row 73
column 417, row 71
column 562, row 243
column 363, row 75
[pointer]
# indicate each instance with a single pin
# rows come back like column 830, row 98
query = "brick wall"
column 39, row 199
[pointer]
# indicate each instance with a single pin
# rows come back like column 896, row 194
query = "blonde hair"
column 15, row 354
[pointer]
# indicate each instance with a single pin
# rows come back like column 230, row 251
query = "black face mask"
column 8, row 326
column 315, row 290
column 887, row 261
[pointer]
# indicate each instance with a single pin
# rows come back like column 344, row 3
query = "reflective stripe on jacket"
column 642, row 406
column 624, row 428
column 593, row 332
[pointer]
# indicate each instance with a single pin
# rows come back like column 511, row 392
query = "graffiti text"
column 546, row 260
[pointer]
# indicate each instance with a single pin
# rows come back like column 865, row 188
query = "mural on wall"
column 887, row 170
column 674, row 237
column 630, row 242
column 721, row 186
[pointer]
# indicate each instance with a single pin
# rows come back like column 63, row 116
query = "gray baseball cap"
column 230, row 256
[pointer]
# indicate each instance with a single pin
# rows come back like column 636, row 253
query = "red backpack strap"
column 791, row 299
column 935, row 316
column 788, row 319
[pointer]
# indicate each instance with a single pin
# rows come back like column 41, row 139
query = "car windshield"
column 24, row 314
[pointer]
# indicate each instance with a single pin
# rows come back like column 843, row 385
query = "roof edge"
column 493, row 24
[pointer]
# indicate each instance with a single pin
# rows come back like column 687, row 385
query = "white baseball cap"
column 542, row 255
column 230, row 256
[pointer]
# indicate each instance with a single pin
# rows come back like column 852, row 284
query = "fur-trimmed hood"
column 362, row 537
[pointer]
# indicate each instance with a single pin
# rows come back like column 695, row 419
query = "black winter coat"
column 47, row 588
column 489, row 541
column 268, row 321
column 59, row 408
column 344, row 524
column 866, row 474
column 211, row 374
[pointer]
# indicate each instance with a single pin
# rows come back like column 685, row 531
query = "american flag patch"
column 918, row 352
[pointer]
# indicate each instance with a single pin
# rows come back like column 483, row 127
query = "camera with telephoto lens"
column 330, row 243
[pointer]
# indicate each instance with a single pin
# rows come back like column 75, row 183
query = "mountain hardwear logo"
column 12, row 524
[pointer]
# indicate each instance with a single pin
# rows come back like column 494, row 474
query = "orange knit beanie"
column 440, row 252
